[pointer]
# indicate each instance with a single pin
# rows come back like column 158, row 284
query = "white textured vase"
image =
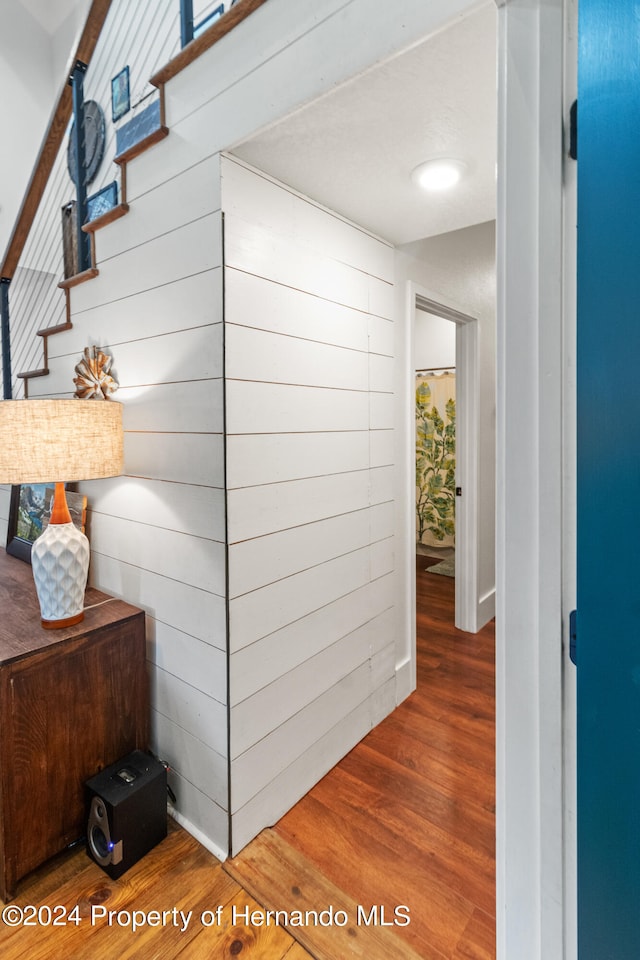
column 60, row 562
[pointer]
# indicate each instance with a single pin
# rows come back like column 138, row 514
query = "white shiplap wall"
column 309, row 395
column 158, row 532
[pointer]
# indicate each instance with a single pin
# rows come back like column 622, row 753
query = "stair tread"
column 32, row 374
column 155, row 137
column 79, row 278
column 47, row 331
column 114, row 214
column 207, row 38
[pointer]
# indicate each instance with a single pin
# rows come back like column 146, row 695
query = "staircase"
column 240, row 11
column 92, row 228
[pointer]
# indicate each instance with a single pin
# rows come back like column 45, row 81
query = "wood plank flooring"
column 407, row 818
column 321, row 916
column 177, row 875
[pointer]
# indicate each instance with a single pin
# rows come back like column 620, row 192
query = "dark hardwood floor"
column 407, row 818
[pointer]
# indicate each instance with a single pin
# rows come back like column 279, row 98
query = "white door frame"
column 533, row 891
column 467, row 426
column 535, row 845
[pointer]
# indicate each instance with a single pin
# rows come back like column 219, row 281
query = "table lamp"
column 60, row 441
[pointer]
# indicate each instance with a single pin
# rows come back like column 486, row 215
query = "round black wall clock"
column 95, row 131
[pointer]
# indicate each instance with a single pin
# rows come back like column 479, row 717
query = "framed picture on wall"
column 120, row 95
column 102, row 201
column 208, row 20
column 29, row 513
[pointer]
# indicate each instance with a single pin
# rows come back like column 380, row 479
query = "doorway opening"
column 458, row 342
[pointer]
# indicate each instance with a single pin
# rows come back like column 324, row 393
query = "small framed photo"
column 208, row 20
column 29, row 513
column 102, row 201
column 120, row 95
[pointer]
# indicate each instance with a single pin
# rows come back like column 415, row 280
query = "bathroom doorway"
column 450, row 532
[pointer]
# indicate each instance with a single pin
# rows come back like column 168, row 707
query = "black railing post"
column 7, row 388
column 186, row 21
column 84, row 243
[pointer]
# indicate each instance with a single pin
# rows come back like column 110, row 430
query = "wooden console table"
column 72, row 701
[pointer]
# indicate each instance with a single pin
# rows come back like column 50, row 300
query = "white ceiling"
column 36, row 41
column 354, row 149
column 49, row 13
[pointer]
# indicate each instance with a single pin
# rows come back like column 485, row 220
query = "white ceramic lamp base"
column 60, row 563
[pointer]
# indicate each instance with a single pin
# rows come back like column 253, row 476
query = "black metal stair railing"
column 80, row 168
column 194, row 19
column 6, row 339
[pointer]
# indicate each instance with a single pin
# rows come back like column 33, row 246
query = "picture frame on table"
column 29, row 513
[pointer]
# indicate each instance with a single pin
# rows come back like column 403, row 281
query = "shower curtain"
column 435, row 457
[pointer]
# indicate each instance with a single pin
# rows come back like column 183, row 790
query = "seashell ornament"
column 94, row 381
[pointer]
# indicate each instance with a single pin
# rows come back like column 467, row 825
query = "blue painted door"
column 608, row 619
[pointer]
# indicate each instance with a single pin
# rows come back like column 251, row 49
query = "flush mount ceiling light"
column 439, row 174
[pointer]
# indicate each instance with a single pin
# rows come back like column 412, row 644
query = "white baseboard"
column 486, row 607
column 405, row 684
column 198, row 835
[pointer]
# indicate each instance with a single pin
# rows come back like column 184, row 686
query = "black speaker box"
column 127, row 811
